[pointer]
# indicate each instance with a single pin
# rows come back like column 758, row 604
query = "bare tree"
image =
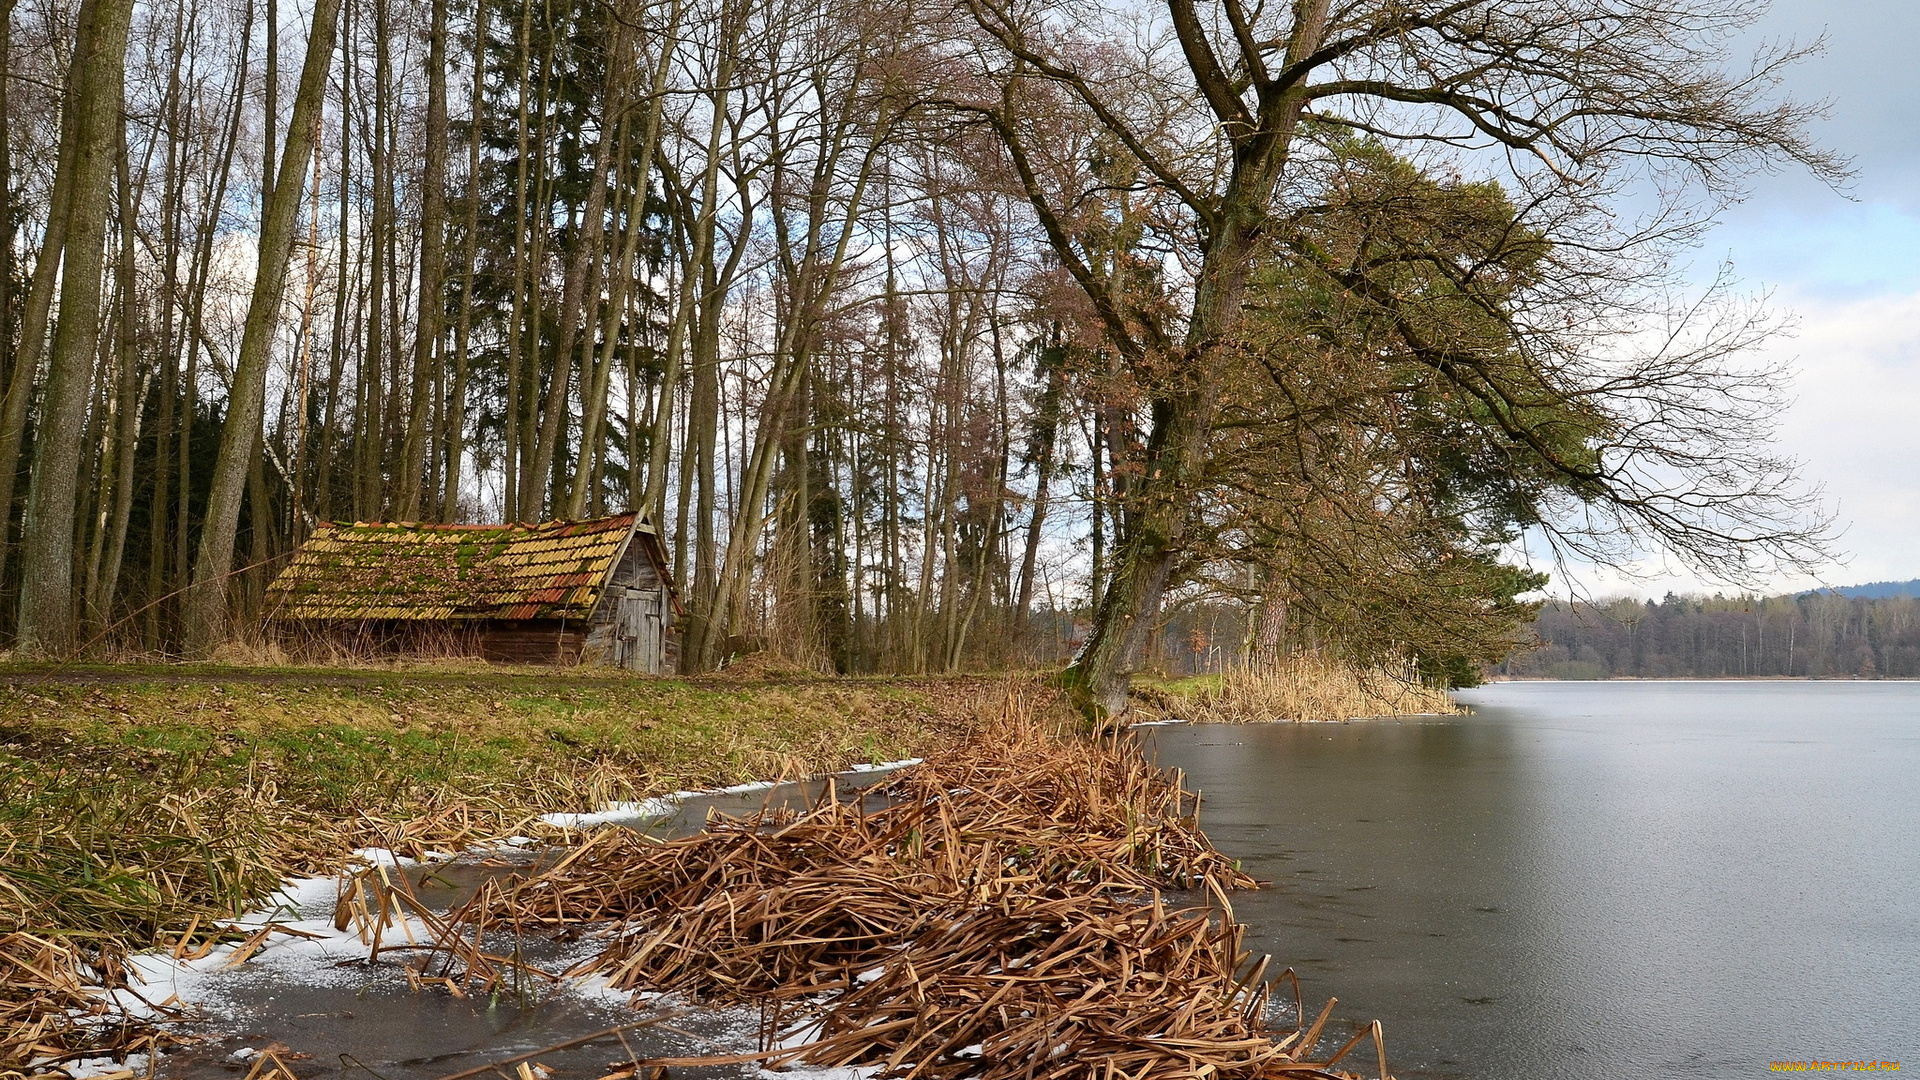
column 1567, row 99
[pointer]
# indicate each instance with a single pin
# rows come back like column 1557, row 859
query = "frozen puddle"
column 684, row 812
column 318, row 991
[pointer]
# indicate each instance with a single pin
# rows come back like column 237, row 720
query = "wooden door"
column 628, row 649
column 648, row 639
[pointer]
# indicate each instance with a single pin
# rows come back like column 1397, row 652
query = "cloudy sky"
column 1847, row 267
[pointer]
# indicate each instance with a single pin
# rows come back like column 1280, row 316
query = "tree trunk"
column 96, row 80
column 369, row 424
column 206, row 600
column 111, row 539
column 24, row 374
column 8, row 351
column 516, row 334
column 1046, row 432
column 594, row 403
column 579, row 290
column 433, row 231
column 1160, row 501
column 469, row 261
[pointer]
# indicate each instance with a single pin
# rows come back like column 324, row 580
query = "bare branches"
column 1541, row 318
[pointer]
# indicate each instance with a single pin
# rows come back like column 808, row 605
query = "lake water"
column 1588, row 880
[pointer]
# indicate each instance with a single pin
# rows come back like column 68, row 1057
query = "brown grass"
column 1304, row 687
column 49, row 1010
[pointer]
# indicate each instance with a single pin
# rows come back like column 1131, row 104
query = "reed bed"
column 1303, row 687
column 1001, row 916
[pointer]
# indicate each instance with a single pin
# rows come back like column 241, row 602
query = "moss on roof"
column 387, row 570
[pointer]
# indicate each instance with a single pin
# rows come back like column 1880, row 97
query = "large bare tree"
column 1213, row 115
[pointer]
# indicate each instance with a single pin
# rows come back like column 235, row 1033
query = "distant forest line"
column 1811, row 635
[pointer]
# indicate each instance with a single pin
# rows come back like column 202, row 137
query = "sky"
column 1846, row 268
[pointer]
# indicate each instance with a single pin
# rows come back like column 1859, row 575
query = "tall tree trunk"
column 111, row 537
column 206, row 600
column 24, row 374
column 516, row 320
column 194, row 325
column 298, row 513
column 469, row 261
column 96, row 79
column 370, row 418
column 1182, row 418
column 1045, row 434
column 323, row 466
column 7, row 348
column 576, row 289
column 593, row 407
column 813, row 272
column 533, row 482
column 433, row 231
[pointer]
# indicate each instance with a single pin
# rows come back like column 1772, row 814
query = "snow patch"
column 743, row 789
column 619, row 813
column 103, row 1066
column 886, row 766
column 649, row 811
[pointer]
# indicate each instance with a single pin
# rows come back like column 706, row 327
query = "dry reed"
column 1001, row 916
column 49, row 1010
column 90, row 872
column 1305, row 687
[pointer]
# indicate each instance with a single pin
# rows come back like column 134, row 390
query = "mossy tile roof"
column 386, row 570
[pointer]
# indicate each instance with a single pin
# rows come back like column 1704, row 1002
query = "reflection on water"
column 1591, row 880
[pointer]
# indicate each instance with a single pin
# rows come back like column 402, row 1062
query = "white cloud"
column 1854, row 423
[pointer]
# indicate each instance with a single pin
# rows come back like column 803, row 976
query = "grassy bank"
column 138, row 804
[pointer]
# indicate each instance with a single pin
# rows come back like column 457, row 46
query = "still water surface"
column 1586, row 880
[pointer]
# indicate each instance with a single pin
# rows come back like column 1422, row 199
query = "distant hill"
column 1878, row 590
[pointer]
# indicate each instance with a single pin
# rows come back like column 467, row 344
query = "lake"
column 1587, row 880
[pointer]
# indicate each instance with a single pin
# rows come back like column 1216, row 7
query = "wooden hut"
column 565, row 592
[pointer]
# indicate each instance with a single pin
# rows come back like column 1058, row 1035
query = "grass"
column 1303, row 687
column 138, row 804
column 340, row 744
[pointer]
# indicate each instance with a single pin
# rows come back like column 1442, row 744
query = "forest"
column 1820, row 635
column 929, row 338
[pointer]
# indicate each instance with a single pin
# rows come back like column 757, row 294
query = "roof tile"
column 384, row 570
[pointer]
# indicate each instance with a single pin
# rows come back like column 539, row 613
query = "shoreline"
column 1491, row 680
column 1102, row 795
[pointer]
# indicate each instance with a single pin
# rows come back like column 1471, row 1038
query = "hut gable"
column 452, row 573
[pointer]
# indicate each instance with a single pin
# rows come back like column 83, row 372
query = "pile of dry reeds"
column 48, row 1009
column 1306, row 686
column 1000, row 917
